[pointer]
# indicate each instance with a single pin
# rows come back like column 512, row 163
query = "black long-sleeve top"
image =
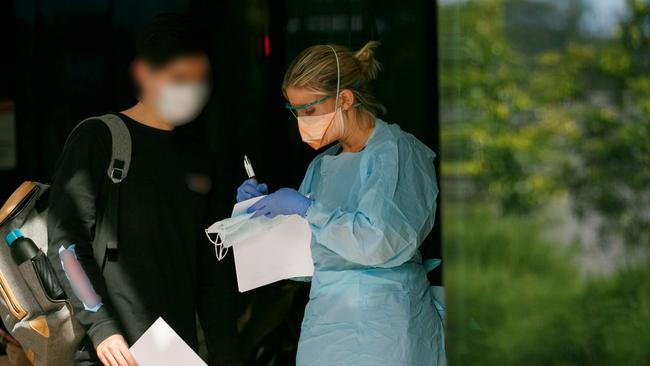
column 166, row 266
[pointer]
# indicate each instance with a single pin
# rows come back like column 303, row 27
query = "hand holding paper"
column 115, row 349
column 266, row 250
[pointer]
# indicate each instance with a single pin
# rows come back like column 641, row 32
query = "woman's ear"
column 347, row 99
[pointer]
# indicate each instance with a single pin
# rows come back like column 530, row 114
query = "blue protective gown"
column 370, row 301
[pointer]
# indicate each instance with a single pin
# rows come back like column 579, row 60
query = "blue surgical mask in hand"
column 228, row 232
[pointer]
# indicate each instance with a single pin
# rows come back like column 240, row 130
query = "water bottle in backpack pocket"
column 24, row 249
column 33, row 305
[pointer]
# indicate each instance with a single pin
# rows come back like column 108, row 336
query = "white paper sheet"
column 161, row 346
column 280, row 253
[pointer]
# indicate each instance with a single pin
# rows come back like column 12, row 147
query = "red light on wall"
column 267, row 46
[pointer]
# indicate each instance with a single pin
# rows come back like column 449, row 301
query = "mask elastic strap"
column 338, row 84
column 220, row 250
column 338, row 76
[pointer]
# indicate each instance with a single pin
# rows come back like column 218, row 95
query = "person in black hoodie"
column 165, row 266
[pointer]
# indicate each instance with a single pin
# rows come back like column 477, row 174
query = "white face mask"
column 228, row 232
column 179, row 104
column 318, row 131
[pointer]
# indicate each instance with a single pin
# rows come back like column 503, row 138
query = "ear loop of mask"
column 220, row 250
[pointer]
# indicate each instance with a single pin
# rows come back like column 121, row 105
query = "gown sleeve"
column 305, row 186
column 396, row 209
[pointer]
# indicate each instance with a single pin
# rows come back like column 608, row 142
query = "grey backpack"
column 46, row 328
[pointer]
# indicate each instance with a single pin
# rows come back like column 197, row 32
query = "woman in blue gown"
column 370, row 200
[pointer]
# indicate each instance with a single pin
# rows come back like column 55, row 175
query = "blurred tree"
column 611, row 172
column 503, row 132
column 525, row 123
column 532, row 109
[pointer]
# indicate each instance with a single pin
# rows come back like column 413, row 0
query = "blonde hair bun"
column 328, row 69
column 369, row 65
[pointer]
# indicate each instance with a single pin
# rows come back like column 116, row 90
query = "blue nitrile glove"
column 249, row 189
column 284, row 201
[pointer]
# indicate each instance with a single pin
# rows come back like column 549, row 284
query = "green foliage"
column 612, row 174
column 515, row 297
column 530, row 114
column 525, row 124
column 617, row 312
column 500, row 127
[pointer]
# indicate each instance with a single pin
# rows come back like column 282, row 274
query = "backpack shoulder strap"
column 118, row 168
column 105, row 243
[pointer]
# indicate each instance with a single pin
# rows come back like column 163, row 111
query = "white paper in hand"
column 161, row 346
column 281, row 252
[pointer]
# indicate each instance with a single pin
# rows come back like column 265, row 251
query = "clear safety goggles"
column 293, row 108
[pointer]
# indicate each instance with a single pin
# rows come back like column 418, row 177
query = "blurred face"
column 182, row 70
column 178, row 90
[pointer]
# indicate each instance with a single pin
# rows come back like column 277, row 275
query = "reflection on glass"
column 545, row 125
